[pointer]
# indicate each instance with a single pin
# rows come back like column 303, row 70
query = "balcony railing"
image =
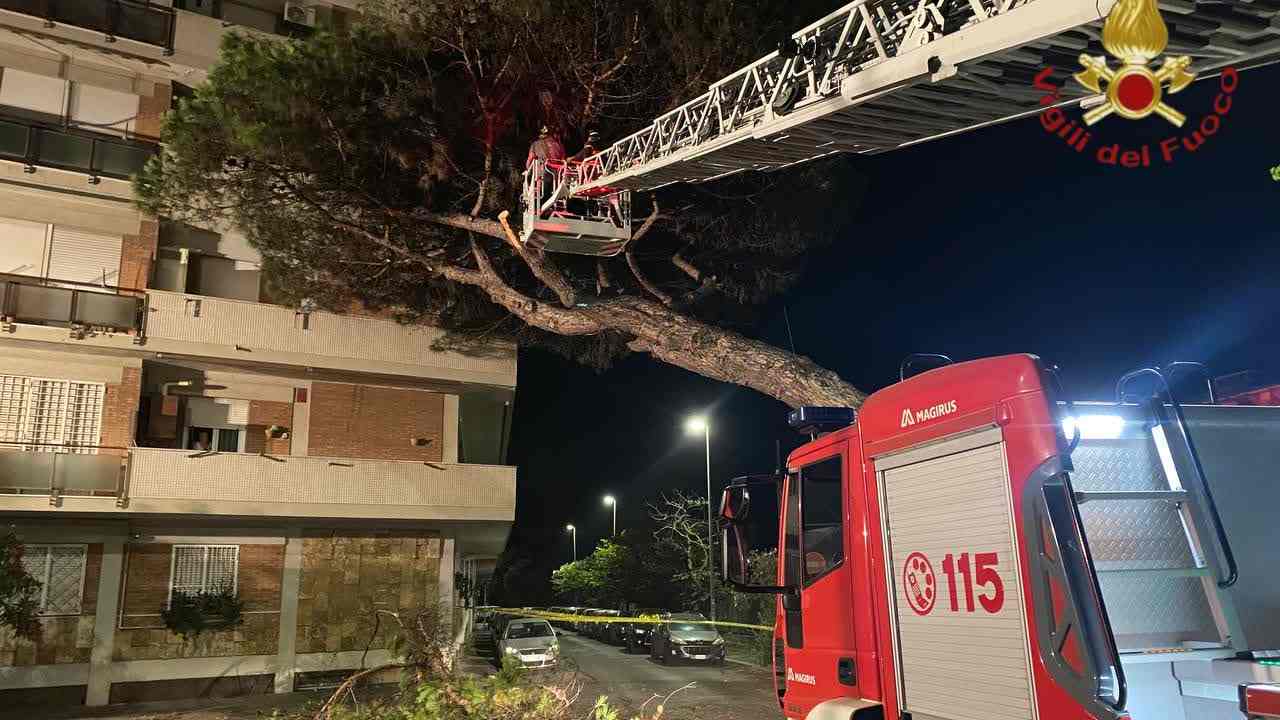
column 51, row 302
column 37, row 143
column 25, row 470
column 136, row 20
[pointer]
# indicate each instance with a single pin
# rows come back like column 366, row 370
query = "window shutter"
column 106, row 111
column 24, row 247
column 30, row 91
column 83, row 256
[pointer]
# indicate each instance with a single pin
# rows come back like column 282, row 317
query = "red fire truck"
column 971, row 546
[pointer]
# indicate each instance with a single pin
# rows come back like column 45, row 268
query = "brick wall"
column 143, row 635
column 137, row 253
column 151, row 110
column 344, row 578
column 63, row 639
column 262, row 415
column 374, row 422
column 120, row 409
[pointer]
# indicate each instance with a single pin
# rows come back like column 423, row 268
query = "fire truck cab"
column 973, row 547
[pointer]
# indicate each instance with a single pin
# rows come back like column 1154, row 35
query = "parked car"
column 611, row 632
column 532, row 641
column 677, row 638
column 600, row 630
column 581, row 625
column 561, row 623
column 636, row 635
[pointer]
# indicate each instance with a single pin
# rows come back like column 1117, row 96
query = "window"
column 50, row 415
column 219, row 439
column 822, row 510
column 524, row 630
column 204, row 568
column 60, row 570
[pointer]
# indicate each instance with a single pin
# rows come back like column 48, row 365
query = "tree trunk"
column 724, row 355
column 676, row 339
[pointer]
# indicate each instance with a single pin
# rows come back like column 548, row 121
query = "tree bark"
column 674, row 338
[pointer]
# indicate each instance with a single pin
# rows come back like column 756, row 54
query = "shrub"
column 190, row 614
column 19, row 592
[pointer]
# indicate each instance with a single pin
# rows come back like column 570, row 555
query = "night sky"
column 1000, row 240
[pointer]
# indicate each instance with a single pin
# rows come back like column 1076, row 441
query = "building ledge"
column 237, row 334
column 180, row 482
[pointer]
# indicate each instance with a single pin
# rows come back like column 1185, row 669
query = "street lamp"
column 693, row 426
column 612, row 501
column 574, row 531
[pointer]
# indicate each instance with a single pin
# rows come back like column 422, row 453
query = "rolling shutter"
column 959, row 659
column 23, row 251
column 83, row 256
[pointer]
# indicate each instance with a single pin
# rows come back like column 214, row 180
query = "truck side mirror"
column 735, row 565
column 735, row 504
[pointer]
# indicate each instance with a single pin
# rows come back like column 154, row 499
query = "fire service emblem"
column 1135, row 34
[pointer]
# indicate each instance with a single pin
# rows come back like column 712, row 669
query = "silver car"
column 532, row 641
column 682, row 637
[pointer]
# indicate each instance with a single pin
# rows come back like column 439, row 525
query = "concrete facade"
column 162, row 471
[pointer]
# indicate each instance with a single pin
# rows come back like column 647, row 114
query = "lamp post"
column 574, row 531
column 693, row 426
column 613, row 502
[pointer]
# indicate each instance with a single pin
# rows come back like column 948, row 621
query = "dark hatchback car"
column 637, row 636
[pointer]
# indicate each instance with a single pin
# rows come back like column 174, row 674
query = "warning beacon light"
column 813, row 420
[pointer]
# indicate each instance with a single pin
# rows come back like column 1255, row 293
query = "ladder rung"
column 1083, row 496
column 1162, row 572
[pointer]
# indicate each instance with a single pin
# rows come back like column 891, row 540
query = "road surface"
column 731, row 692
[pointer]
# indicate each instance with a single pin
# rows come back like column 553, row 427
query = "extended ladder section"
column 877, row 75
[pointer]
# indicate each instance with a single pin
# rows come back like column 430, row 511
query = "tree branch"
column 644, row 281
column 549, row 276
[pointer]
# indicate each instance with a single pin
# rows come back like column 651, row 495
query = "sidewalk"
column 251, row 707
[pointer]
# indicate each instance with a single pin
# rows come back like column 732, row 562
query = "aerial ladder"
column 871, row 77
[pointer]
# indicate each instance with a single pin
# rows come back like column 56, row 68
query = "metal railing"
column 59, row 470
column 136, row 20
column 807, row 67
column 51, row 302
column 39, row 143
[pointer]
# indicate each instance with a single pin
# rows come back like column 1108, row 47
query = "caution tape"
column 640, row 619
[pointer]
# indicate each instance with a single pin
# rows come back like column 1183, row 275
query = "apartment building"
column 163, row 430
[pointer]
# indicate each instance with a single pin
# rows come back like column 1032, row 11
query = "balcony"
column 77, row 306
column 53, row 475
column 250, row 332
column 37, row 143
column 135, row 20
column 182, row 482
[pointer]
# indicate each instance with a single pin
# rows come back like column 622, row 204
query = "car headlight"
column 677, row 641
column 553, row 650
column 718, row 641
column 509, row 650
column 639, row 631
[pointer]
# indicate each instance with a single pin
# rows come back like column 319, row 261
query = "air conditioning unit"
column 300, row 13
